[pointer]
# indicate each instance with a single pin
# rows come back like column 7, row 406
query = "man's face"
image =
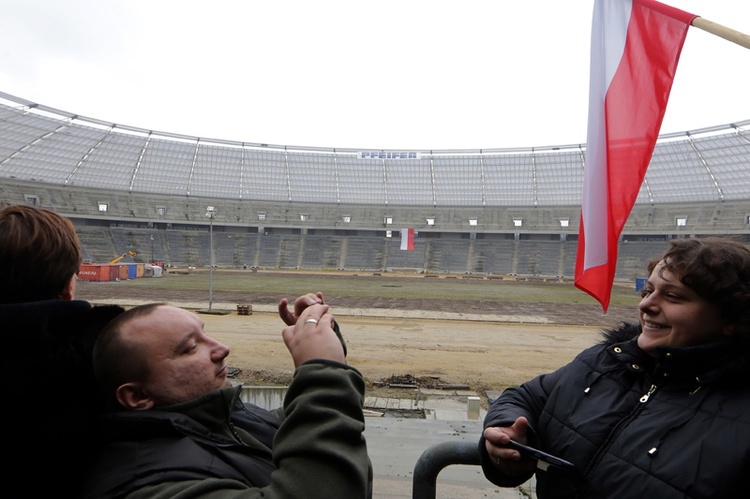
column 184, row 363
column 673, row 314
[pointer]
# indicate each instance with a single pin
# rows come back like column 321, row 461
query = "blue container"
column 640, row 283
column 132, row 270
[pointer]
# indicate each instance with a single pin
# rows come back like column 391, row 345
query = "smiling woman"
column 695, row 294
column 673, row 314
column 650, row 404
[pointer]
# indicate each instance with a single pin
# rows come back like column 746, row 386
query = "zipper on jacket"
column 621, row 425
column 234, row 432
column 648, row 394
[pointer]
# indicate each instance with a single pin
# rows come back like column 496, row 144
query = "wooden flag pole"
column 722, row 31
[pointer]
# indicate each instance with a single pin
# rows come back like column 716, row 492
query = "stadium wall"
column 519, row 241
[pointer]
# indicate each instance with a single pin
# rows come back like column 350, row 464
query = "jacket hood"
column 626, row 331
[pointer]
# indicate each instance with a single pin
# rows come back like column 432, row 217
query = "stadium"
column 194, row 202
column 515, row 212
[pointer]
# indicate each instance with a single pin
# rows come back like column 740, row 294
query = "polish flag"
column 635, row 46
column 407, row 239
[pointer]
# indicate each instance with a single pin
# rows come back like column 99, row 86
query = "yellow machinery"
column 127, row 253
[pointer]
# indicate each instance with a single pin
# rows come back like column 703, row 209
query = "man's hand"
column 300, row 304
column 313, row 337
column 507, row 460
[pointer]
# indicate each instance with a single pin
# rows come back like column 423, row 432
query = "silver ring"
column 311, row 321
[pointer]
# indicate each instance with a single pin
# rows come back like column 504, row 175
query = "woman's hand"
column 505, row 459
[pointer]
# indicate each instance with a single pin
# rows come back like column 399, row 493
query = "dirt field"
column 460, row 342
column 482, row 355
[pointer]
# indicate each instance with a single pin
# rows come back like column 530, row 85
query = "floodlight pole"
column 211, row 262
column 210, row 214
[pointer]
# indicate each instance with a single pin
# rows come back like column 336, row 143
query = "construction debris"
column 414, row 382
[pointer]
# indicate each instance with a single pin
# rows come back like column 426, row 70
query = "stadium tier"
column 491, row 211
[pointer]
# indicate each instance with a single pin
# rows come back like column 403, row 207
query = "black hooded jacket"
column 49, row 394
column 636, row 426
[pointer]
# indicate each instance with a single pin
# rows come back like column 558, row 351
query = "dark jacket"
column 49, row 394
column 635, row 426
column 214, row 446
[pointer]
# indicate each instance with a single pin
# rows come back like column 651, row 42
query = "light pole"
column 152, row 248
column 210, row 212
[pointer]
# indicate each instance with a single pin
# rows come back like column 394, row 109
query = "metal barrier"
column 437, row 457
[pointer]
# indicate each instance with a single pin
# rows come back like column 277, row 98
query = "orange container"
column 94, row 272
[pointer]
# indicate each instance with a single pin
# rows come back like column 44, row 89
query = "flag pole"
column 722, row 31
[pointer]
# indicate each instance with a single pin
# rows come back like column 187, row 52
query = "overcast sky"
column 407, row 74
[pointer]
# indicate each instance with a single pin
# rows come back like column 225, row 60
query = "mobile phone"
column 543, row 459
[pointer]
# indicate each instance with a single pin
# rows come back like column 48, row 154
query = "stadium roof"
column 43, row 144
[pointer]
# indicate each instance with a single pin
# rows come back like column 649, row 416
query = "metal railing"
column 435, row 458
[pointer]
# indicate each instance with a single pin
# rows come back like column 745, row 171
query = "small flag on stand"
column 407, row 239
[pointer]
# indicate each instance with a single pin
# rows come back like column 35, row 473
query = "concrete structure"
column 491, row 212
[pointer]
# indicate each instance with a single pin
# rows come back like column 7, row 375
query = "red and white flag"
column 635, row 46
column 407, row 239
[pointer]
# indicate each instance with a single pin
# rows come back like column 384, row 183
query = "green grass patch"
column 411, row 287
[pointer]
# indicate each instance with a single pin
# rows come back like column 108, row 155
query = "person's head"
column 156, row 355
column 697, row 292
column 39, row 255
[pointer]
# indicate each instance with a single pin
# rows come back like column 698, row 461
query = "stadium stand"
column 490, row 212
column 364, row 253
column 269, row 251
column 495, row 256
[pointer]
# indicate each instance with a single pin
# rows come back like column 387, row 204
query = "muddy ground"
column 496, row 345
